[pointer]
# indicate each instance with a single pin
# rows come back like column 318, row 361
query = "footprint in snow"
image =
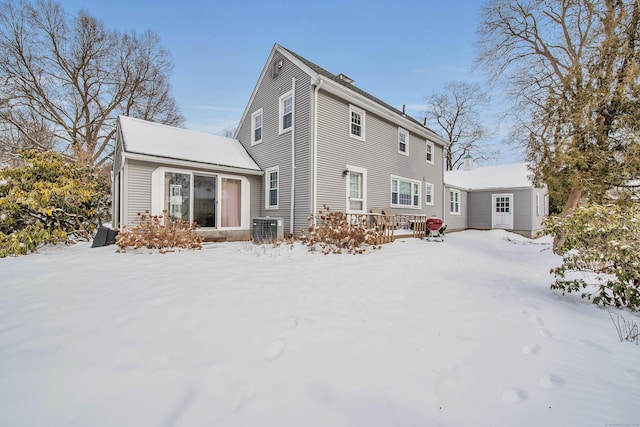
column 544, row 332
column 551, row 381
column 531, row 349
column 275, row 350
column 292, row 323
column 241, row 397
column 533, row 317
column 537, row 320
column 514, row 396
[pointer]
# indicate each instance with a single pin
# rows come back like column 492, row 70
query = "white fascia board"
column 166, row 161
column 370, row 105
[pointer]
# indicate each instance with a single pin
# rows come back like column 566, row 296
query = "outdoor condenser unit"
column 267, row 229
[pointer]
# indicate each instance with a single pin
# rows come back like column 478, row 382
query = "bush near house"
column 49, row 200
column 159, row 232
column 335, row 232
column 603, row 240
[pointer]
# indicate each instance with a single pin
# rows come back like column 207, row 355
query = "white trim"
column 281, row 101
column 412, row 182
column 267, row 188
column 363, row 172
column 363, row 122
column 458, row 201
column 254, row 128
column 406, row 141
column 429, row 185
column 429, row 144
column 167, row 161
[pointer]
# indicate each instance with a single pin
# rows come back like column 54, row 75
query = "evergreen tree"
column 48, row 200
column 573, row 69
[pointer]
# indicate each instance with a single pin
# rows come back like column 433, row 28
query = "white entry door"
column 502, row 212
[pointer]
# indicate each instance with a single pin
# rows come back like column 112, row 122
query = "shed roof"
column 515, row 175
column 158, row 140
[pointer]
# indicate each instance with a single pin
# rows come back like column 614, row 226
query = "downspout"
column 444, row 190
column 293, row 155
column 315, row 150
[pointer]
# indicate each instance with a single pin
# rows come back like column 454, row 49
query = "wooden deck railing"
column 392, row 226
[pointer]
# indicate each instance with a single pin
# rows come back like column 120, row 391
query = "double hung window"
column 403, row 142
column 286, row 112
column 357, row 121
column 256, row 127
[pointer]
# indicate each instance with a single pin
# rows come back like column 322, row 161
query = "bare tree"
column 456, row 111
column 571, row 67
column 73, row 77
column 29, row 133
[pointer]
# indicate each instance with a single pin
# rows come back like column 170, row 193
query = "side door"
column 502, row 211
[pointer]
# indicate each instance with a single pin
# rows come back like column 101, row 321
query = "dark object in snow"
column 105, row 236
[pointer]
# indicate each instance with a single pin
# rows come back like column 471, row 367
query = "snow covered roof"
column 158, row 140
column 516, row 175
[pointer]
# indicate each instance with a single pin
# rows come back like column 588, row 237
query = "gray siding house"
column 189, row 175
column 321, row 140
column 493, row 197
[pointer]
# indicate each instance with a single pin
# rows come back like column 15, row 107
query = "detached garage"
column 491, row 197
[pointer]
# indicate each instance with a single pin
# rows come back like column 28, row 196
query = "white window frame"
column 429, row 189
column 254, row 116
column 416, row 190
column 267, row 188
column 429, row 152
column 454, row 202
column 281, row 113
column 363, row 122
column 363, row 172
column 406, row 141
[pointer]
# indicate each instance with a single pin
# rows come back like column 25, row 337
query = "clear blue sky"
column 400, row 52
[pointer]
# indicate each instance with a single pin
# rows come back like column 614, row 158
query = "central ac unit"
column 267, row 229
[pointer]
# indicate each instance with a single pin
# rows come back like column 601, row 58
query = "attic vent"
column 275, row 68
column 346, row 78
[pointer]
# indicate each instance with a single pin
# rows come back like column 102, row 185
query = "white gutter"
column 314, row 149
column 293, row 154
column 190, row 164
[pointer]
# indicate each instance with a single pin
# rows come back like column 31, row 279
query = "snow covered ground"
column 460, row 333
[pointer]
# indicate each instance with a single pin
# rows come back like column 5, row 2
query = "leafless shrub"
column 335, row 232
column 627, row 329
column 159, row 232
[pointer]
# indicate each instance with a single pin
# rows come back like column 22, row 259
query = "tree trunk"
column 572, row 203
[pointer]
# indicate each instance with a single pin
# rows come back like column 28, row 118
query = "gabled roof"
column 352, row 87
column 515, row 175
column 169, row 142
column 316, row 72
